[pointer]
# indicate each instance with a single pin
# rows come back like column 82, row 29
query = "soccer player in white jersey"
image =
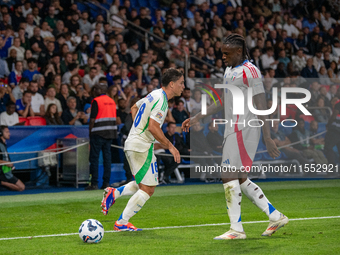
column 241, row 141
column 148, row 114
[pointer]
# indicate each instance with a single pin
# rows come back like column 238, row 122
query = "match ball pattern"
column 91, row 231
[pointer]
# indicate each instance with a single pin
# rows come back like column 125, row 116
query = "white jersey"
column 154, row 106
column 243, row 76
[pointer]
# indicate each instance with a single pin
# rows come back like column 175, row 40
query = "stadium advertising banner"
column 39, row 138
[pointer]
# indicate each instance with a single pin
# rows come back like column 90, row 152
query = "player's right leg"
column 111, row 194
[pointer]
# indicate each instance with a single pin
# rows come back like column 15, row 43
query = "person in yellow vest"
column 102, row 129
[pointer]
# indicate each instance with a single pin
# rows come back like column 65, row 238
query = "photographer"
column 7, row 179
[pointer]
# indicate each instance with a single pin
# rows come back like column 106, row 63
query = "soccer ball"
column 91, row 231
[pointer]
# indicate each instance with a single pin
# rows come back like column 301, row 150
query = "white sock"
column 135, row 203
column 126, row 190
column 256, row 195
column 233, row 197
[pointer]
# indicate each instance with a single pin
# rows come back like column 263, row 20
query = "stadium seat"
column 81, row 7
column 21, row 119
column 81, row 72
column 307, row 118
column 144, row 3
column 36, row 121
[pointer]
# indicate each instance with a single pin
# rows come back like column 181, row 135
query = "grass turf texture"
column 56, row 213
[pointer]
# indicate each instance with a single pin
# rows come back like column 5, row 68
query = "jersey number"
column 139, row 114
column 154, row 168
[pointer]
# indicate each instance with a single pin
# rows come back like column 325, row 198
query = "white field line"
column 172, row 227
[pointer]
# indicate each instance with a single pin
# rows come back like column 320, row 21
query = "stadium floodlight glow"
column 238, row 100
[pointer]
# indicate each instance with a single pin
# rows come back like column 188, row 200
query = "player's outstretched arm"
column 260, row 102
column 212, row 109
column 157, row 132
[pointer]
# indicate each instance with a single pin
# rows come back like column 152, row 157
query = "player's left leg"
column 135, row 203
column 256, row 195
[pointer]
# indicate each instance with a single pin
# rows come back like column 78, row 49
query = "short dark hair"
column 72, row 66
column 27, row 92
column 10, row 103
column 171, row 75
column 23, row 80
column 171, row 123
column 30, row 60
column 2, row 128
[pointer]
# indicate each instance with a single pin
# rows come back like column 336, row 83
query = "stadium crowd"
column 53, row 53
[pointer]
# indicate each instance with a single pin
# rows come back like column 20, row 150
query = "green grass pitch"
column 57, row 213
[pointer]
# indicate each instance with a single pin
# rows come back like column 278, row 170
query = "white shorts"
column 143, row 166
column 240, row 148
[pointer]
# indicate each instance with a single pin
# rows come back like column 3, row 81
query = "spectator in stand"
column 73, row 24
column 268, row 60
column 38, row 103
column 32, row 65
column 71, row 116
column 37, row 42
column 215, row 140
column 50, row 18
column 15, row 76
column 189, row 82
column 5, row 96
column 73, row 69
column 90, row 79
column 333, row 73
column 9, row 117
column 309, row 71
column 257, row 61
column 145, row 22
column 121, row 111
column 52, row 116
column 84, row 25
column 23, row 105
column 11, row 59
column 179, row 113
column 17, row 17
column 4, row 71
column 301, row 134
column 321, row 115
column 318, row 142
column 332, row 92
column 46, row 55
column 187, row 100
column 63, row 95
column 20, row 89
column 169, row 163
column 20, row 50
column 333, row 134
column 50, row 99
column 82, row 97
column 314, row 90
column 281, row 139
column 299, row 61
column 323, row 95
column 323, row 76
column 124, row 55
column 318, row 61
column 66, row 62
